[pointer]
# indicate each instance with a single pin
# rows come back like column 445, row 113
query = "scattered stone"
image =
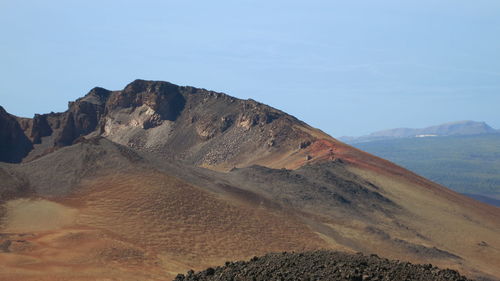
column 482, row 244
column 304, row 144
column 322, row 265
column 5, row 245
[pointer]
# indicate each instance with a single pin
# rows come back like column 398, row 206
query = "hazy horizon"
column 346, row 68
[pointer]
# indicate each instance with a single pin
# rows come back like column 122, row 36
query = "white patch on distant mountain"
column 425, row 136
column 459, row 128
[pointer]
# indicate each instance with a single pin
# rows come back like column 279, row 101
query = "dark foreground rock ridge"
column 322, row 265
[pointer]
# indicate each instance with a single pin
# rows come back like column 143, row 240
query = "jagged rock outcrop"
column 195, row 125
column 14, row 145
column 164, row 98
column 83, row 117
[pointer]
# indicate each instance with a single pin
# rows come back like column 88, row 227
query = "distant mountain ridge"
column 465, row 163
column 458, row 128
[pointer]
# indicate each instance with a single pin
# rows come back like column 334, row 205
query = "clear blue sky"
column 347, row 67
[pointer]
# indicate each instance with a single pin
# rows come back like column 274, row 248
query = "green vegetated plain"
column 466, row 164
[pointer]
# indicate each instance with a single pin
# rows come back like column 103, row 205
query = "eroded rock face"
column 83, row 116
column 121, row 125
column 143, row 104
column 196, row 125
column 163, row 98
column 14, row 145
column 40, row 128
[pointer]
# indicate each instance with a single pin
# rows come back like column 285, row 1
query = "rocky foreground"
column 322, row 265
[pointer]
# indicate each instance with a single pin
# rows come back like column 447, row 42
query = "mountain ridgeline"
column 459, row 128
column 199, row 126
column 156, row 179
column 464, row 156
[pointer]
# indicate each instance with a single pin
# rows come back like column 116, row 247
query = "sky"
column 346, row 67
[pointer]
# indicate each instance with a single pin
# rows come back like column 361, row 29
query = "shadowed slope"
column 14, row 145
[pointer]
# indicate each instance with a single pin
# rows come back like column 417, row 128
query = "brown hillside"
column 153, row 180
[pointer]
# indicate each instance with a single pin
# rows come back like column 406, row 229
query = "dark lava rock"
column 165, row 98
column 82, row 117
column 322, row 265
column 14, row 145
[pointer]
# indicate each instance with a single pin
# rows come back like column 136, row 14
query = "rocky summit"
column 155, row 179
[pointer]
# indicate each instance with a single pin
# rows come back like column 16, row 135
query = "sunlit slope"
column 130, row 217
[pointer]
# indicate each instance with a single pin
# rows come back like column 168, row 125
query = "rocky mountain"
column 195, row 125
column 155, row 179
column 460, row 128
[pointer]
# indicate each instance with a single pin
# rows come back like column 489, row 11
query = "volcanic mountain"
column 155, row 179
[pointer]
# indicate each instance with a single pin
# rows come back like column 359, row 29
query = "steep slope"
column 120, row 179
column 14, row 145
column 485, row 199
